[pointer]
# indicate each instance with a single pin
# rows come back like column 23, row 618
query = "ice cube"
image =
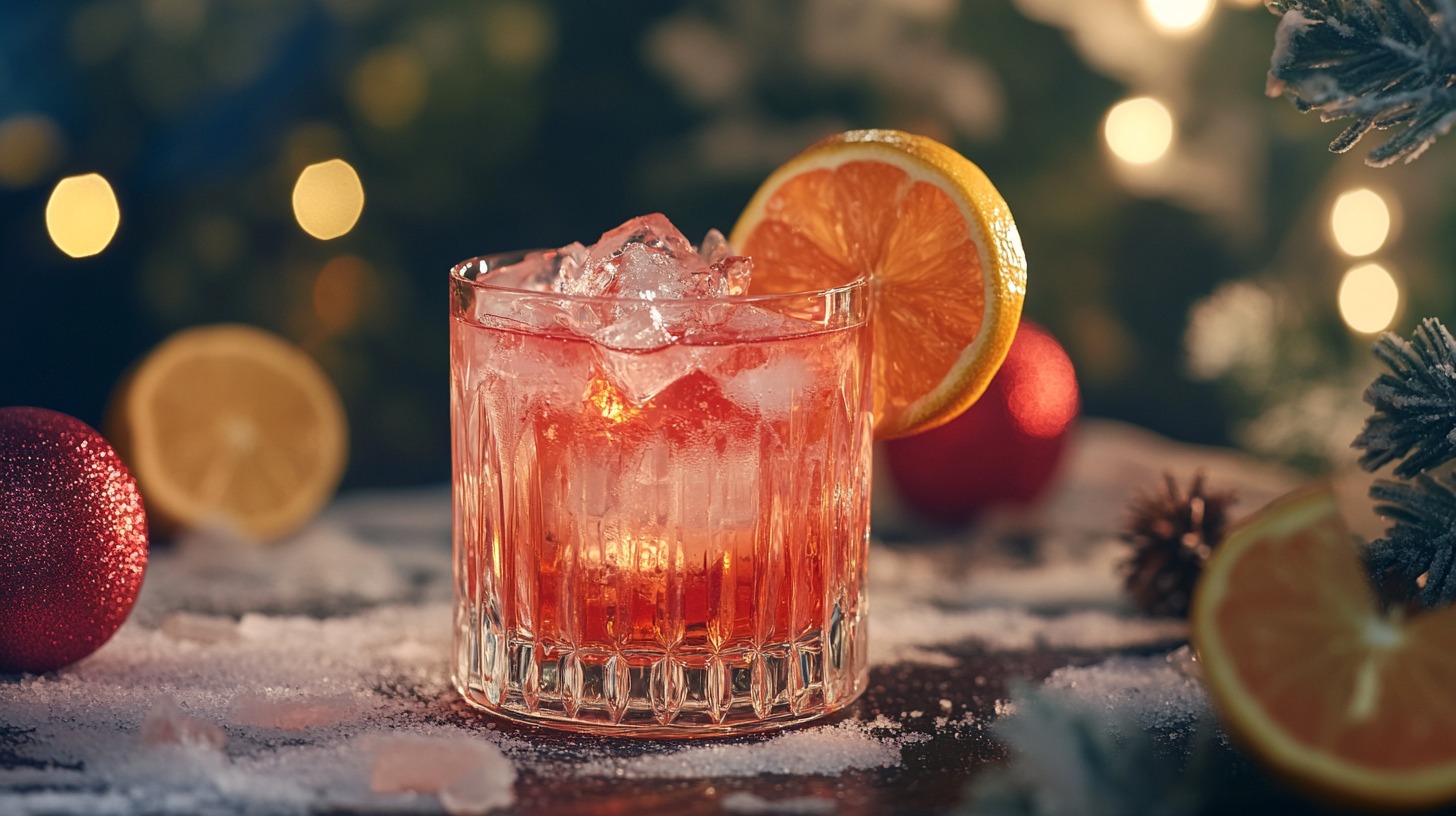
column 534, row 272
column 570, row 267
column 646, row 258
column 640, row 376
column 714, row 247
column 513, row 310
column 734, row 269
column 639, row 326
column 167, row 724
column 770, row 389
column 469, row 775
column 653, row 231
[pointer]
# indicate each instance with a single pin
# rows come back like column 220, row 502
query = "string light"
column 82, row 215
column 1360, row 221
column 1139, row 130
column 1369, row 298
column 328, row 198
column 1177, row 16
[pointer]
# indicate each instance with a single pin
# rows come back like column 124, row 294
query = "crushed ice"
column 653, row 282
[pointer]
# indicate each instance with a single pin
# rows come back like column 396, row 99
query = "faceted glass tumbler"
column 666, row 538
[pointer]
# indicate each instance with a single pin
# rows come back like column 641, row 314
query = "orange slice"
column 936, row 237
column 230, row 425
column 1348, row 702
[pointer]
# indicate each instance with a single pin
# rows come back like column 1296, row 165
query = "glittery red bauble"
column 73, row 540
column 1004, row 450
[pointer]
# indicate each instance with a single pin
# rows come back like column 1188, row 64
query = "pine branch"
column 1415, row 402
column 1419, row 542
column 1384, row 63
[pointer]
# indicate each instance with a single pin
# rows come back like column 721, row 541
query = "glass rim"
column 458, row 272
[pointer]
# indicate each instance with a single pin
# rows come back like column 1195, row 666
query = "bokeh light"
column 1369, row 298
column 1139, row 130
column 1360, row 221
column 339, row 290
column 388, row 88
column 1177, row 16
column 82, row 215
column 518, row 35
column 328, row 198
column 30, row 147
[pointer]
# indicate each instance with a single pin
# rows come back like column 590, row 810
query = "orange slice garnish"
column 937, row 239
column 1349, row 702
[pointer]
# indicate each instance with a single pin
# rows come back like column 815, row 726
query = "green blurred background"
column 1196, row 293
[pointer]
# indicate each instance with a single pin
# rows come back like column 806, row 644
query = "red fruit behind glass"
column 1004, row 450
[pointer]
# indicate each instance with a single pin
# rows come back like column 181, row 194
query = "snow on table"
column 312, row 676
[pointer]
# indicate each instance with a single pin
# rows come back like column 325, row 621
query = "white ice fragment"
column 260, row 711
column 772, row 388
column 751, row 803
column 166, row 723
column 470, row 776
column 199, row 628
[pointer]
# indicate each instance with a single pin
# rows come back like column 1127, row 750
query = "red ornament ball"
column 1004, row 450
column 73, row 540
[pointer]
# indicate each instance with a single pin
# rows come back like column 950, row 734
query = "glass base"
column 650, row 693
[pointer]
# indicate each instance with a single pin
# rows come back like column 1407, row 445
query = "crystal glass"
column 662, row 541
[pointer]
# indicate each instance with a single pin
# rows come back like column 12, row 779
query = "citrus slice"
column 1346, row 701
column 937, row 239
column 230, row 425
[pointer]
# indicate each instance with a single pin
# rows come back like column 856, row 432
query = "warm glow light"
column 1360, row 221
column 327, row 199
column 609, row 401
column 30, row 145
column 1139, row 130
column 82, row 215
column 1244, row 3
column 388, row 88
column 1177, row 16
column 1369, row 298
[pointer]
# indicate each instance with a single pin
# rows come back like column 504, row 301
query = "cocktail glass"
column 662, row 537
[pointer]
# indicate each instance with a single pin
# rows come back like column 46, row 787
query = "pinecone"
column 1172, row 534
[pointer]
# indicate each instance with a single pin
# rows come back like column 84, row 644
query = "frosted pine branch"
column 1384, row 63
column 1414, row 401
column 1420, row 541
